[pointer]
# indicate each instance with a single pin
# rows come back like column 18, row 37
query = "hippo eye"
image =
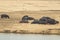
column 43, row 19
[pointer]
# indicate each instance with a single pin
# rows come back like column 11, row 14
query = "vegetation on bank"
column 47, row 32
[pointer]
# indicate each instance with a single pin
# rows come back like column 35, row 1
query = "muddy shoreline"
column 44, row 32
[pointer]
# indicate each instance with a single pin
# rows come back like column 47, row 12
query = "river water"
column 28, row 37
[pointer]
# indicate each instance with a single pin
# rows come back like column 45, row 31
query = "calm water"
column 28, row 37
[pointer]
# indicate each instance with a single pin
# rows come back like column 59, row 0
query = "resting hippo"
column 27, row 17
column 47, row 20
column 52, row 21
column 4, row 16
column 43, row 20
column 24, row 21
column 46, row 17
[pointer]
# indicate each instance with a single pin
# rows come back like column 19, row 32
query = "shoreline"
column 47, row 32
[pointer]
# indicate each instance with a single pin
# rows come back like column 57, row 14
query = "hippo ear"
column 57, row 21
column 26, row 16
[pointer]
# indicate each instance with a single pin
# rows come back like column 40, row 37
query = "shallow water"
column 28, row 37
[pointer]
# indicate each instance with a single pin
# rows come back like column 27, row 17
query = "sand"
column 28, row 5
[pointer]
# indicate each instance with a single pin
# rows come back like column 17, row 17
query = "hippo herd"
column 45, row 20
column 42, row 20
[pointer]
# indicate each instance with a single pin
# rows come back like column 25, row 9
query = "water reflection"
column 28, row 37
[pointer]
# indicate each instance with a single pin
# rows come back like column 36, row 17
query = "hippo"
column 30, row 18
column 27, row 17
column 52, row 21
column 38, row 22
column 47, row 20
column 4, row 16
column 43, row 22
column 46, row 17
column 24, row 21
